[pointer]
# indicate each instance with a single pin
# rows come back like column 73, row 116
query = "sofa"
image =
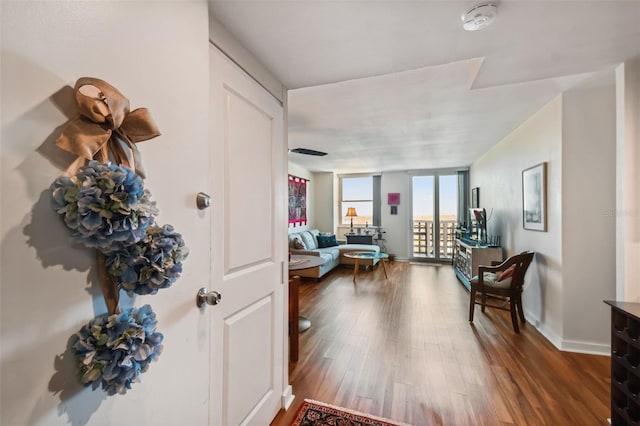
column 325, row 245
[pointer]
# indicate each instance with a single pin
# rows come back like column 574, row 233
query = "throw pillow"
column 309, row 240
column 507, row 273
column 327, row 241
column 298, row 244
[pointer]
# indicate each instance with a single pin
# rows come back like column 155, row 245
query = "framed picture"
column 394, row 209
column 534, row 197
column 475, row 197
column 393, row 198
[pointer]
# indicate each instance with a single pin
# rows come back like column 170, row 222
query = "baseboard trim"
column 586, row 347
column 287, row 397
column 546, row 332
column 568, row 345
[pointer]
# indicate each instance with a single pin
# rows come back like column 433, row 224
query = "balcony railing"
column 424, row 238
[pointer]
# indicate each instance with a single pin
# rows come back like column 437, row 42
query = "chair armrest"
column 501, row 266
column 483, row 268
column 495, row 268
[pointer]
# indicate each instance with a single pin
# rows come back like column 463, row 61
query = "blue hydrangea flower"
column 105, row 204
column 114, row 350
column 153, row 263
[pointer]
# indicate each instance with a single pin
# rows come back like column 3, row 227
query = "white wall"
column 574, row 266
column 156, row 53
column 299, row 171
column 588, row 214
column 498, row 174
column 628, row 180
column 396, row 226
column 225, row 41
column 325, row 211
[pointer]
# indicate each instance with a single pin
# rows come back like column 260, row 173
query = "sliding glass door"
column 434, row 217
column 448, row 214
column 422, row 219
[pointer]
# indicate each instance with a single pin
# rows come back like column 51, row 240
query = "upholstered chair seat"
column 493, row 280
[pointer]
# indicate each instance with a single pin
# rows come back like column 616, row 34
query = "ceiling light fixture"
column 480, row 16
column 307, row 151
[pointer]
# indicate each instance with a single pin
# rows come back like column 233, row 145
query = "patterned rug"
column 314, row 413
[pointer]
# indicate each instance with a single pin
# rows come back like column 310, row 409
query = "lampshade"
column 351, row 212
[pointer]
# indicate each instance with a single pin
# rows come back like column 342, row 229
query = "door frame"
column 436, row 173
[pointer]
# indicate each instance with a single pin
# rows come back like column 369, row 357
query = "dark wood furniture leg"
column 356, row 266
column 384, row 268
column 294, row 310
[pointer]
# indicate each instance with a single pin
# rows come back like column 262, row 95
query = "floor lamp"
column 351, row 212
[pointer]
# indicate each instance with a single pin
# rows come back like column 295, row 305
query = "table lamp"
column 351, row 212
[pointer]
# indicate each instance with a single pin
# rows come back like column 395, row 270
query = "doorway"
column 434, row 216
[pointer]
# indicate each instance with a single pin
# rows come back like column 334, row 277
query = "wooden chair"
column 504, row 280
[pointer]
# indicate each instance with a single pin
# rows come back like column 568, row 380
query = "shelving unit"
column 625, row 363
column 467, row 256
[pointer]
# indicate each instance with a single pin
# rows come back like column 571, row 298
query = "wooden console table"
column 468, row 255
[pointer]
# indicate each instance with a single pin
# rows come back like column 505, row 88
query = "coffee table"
column 366, row 255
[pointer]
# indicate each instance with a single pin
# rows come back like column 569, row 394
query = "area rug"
column 315, row 413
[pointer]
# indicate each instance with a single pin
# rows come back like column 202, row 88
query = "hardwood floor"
column 403, row 348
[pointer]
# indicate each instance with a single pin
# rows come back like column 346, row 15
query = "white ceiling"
column 399, row 85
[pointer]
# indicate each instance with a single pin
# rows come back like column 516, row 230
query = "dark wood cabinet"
column 359, row 239
column 625, row 363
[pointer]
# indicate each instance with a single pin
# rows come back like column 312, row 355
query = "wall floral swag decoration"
column 108, row 209
column 106, row 205
column 114, row 349
column 151, row 264
column 105, row 124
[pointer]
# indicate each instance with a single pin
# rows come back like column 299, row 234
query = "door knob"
column 203, row 200
column 208, row 297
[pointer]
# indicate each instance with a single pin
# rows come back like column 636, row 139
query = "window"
column 356, row 192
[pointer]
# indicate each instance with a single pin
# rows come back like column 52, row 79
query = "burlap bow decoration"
column 102, row 132
column 105, row 125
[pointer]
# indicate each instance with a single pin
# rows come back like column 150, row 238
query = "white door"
column 248, row 207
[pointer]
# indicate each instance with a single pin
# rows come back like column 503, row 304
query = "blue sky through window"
column 358, row 188
column 423, row 189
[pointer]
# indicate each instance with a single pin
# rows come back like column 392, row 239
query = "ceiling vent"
column 308, row 152
column 479, row 17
